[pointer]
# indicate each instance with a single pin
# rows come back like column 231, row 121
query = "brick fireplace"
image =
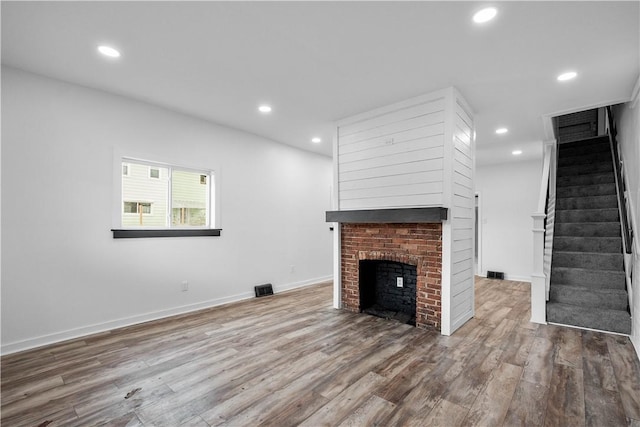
column 416, row 244
column 403, row 193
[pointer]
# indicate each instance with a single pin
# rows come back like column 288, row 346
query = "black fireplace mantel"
column 397, row 216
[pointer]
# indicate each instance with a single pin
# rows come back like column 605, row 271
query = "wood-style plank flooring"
column 291, row 359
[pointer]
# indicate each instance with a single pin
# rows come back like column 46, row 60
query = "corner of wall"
column 635, row 93
column 635, row 337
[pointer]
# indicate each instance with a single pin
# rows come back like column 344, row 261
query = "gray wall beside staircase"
column 627, row 118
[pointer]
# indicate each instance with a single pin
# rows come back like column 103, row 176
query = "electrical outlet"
column 184, row 286
column 399, row 282
column 293, row 268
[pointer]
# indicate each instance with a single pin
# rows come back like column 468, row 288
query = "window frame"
column 212, row 227
column 157, row 169
column 138, row 204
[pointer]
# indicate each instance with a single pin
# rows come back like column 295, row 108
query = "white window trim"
column 156, row 168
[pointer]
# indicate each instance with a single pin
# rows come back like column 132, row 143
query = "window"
column 137, row 208
column 158, row 196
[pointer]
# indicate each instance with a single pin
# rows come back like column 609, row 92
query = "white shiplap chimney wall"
column 415, row 153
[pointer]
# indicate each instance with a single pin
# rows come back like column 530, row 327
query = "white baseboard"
column 84, row 331
column 302, row 284
column 635, row 340
column 517, row 278
column 509, row 277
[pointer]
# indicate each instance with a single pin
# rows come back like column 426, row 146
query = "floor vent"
column 264, row 290
column 495, row 275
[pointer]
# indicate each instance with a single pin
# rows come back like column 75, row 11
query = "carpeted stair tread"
column 588, row 244
column 586, row 179
column 593, row 202
column 612, row 299
column 588, row 260
column 594, row 279
column 579, row 150
column 585, row 169
column 586, row 190
column 585, row 158
column 589, row 317
column 587, row 215
column 588, row 229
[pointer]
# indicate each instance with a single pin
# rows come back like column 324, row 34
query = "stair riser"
column 602, row 147
column 588, row 142
column 596, row 279
column 587, row 169
column 586, row 190
column 614, row 321
column 595, row 202
column 588, row 244
column 591, row 179
column 587, row 215
column 603, row 229
column 584, row 298
column 590, row 261
column 584, row 159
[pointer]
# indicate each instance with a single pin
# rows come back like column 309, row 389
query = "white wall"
column 628, row 123
column 461, row 218
column 393, row 157
column 63, row 275
column 509, row 195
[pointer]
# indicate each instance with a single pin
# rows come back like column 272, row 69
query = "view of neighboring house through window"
column 189, row 198
column 164, row 196
column 137, row 207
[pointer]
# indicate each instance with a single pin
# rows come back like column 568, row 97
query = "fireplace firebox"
column 388, row 290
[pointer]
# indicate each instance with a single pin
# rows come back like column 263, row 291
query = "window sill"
column 132, row 234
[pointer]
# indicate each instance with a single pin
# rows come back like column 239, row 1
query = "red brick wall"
column 414, row 244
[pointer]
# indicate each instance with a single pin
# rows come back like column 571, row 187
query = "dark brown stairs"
column 588, row 286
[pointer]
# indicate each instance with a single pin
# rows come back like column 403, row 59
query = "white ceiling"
column 318, row 62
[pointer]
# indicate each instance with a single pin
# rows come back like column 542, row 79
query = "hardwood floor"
column 291, row 359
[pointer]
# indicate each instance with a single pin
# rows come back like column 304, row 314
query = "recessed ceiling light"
column 108, row 51
column 502, row 130
column 485, row 15
column 316, row 140
column 516, row 152
column 264, row 109
column 567, row 76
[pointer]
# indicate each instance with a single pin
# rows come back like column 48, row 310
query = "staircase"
column 587, row 286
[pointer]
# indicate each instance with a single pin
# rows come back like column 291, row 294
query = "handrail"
column 550, row 211
column 544, row 185
column 627, row 232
